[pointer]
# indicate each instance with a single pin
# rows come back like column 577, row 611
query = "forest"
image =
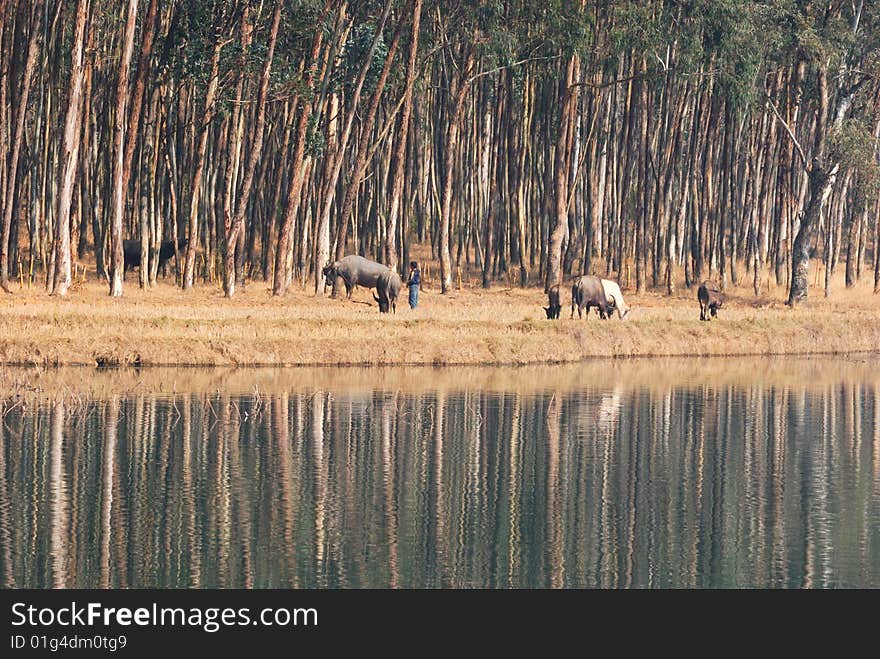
column 654, row 142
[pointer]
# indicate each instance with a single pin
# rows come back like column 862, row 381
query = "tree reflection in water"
column 619, row 484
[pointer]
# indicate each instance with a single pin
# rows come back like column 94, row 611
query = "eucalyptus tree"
column 32, row 23
column 401, row 134
column 202, row 29
column 309, row 72
column 234, row 226
column 117, row 261
column 838, row 45
column 142, row 75
column 69, row 156
column 522, row 140
column 361, row 148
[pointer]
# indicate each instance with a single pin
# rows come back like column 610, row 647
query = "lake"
column 692, row 473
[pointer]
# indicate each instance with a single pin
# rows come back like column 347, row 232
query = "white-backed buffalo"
column 555, row 306
column 711, row 298
column 614, row 299
column 388, row 285
column 587, row 292
column 355, row 271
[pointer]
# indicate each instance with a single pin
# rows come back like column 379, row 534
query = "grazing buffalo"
column 355, row 271
column 614, row 299
column 131, row 252
column 553, row 300
column 711, row 298
column 388, row 285
column 587, row 291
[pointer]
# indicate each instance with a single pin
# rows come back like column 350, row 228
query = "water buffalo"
column 355, row 271
column 131, row 252
column 553, row 300
column 711, row 298
column 388, row 286
column 586, row 291
column 614, row 299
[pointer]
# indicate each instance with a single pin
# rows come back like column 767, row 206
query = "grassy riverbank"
column 167, row 326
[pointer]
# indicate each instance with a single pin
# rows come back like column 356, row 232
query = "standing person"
column 414, row 281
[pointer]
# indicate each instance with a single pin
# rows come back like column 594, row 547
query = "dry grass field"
column 505, row 325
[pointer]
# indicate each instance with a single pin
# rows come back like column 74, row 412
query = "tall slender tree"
column 12, row 178
column 233, row 231
column 117, row 261
column 401, row 136
column 69, row 156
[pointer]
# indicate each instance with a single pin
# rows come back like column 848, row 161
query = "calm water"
column 606, row 476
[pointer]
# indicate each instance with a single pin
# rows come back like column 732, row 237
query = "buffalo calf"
column 388, row 285
column 711, row 298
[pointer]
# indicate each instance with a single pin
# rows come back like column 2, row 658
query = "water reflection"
column 616, row 484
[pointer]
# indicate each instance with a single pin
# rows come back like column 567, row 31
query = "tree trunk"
column 335, row 159
column 820, row 181
column 70, row 156
column 362, row 152
column 399, row 166
column 20, row 115
column 561, row 169
column 517, row 143
column 6, row 55
column 877, row 246
column 256, row 148
column 852, row 242
column 137, row 98
column 299, row 166
column 117, row 261
column 458, row 92
column 495, row 181
column 201, row 149
column 821, row 178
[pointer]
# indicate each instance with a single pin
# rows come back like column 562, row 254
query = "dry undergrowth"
column 167, row 326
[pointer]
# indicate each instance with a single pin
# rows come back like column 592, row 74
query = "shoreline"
column 809, row 373
column 588, row 359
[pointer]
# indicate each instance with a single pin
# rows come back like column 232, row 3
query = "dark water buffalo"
column 711, row 298
column 553, row 301
column 587, row 291
column 388, row 286
column 131, row 252
column 355, row 271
